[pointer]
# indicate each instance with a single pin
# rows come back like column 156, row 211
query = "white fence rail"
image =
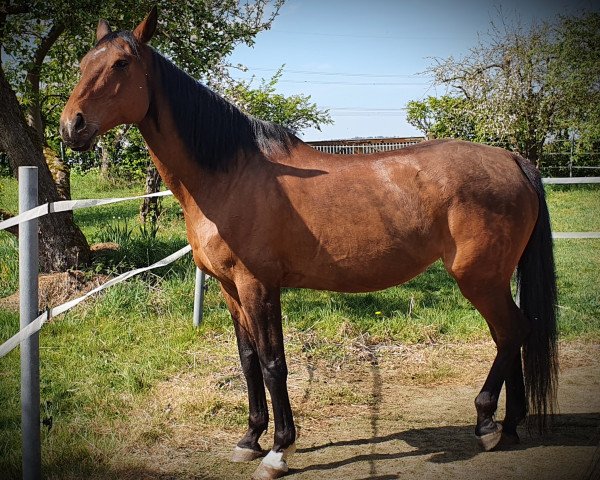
column 570, row 180
column 31, row 214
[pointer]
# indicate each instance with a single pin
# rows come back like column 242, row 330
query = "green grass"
column 426, row 309
column 101, row 360
column 9, row 264
column 574, row 208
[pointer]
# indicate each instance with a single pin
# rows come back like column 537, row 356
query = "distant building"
column 364, row 145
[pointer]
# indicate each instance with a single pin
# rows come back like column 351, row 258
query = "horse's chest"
column 211, row 253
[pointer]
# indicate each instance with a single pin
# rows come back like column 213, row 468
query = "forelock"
column 126, row 36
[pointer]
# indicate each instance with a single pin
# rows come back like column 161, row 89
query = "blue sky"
column 362, row 59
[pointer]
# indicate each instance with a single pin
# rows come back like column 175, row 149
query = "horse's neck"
column 179, row 171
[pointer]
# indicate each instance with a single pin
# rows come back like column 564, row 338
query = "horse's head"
column 113, row 88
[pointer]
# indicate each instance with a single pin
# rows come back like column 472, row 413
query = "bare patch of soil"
column 57, row 288
column 384, row 412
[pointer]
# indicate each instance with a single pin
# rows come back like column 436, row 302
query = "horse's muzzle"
column 77, row 133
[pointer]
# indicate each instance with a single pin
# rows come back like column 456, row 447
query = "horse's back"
column 372, row 221
column 367, row 222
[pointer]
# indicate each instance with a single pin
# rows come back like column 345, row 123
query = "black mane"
column 213, row 130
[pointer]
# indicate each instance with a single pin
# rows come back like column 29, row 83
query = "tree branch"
column 47, row 42
column 14, row 9
column 33, row 77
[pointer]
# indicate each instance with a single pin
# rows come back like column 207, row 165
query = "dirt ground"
column 389, row 413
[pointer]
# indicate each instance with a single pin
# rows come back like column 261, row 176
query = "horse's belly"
column 361, row 273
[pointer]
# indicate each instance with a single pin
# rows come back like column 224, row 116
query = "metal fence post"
column 199, row 290
column 28, row 301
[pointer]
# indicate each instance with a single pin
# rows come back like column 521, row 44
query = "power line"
column 367, row 109
column 366, row 112
column 344, row 74
column 325, row 82
column 384, row 37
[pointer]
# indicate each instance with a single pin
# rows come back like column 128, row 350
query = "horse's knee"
column 249, row 361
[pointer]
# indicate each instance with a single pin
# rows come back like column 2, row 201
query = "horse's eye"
column 120, row 64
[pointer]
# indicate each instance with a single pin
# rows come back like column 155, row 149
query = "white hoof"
column 264, row 472
column 274, row 465
column 245, row 454
column 490, row 440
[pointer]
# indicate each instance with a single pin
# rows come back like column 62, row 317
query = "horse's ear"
column 102, row 30
column 144, row 31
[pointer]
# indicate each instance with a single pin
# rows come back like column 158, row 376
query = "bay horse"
column 263, row 211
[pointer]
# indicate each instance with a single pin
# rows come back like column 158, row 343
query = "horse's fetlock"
column 258, row 422
column 285, row 438
column 486, row 404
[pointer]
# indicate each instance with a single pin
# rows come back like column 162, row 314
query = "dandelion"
column 377, row 313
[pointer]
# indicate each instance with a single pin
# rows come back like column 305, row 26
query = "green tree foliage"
column 576, row 74
column 520, row 88
column 49, row 37
column 442, row 117
column 295, row 112
column 41, row 42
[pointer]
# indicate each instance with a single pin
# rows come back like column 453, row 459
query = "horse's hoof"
column 245, row 454
column 490, row 440
column 265, row 472
column 509, row 439
column 274, row 465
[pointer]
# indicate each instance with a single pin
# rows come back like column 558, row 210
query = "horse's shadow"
column 456, row 443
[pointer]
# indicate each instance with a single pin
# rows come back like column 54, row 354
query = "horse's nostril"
column 79, row 122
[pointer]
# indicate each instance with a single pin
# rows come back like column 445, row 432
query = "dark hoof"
column 509, row 439
column 489, row 441
column 246, row 454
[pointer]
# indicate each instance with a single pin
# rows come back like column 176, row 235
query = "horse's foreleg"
column 262, row 308
column 248, row 447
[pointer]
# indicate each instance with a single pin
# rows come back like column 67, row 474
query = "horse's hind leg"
column 248, row 447
column 516, row 402
column 508, row 327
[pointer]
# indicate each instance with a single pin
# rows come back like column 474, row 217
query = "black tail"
column 537, row 293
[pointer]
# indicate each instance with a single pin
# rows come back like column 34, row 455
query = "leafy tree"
column 576, row 73
column 295, row 112
column 524, row 87
column 442, row 117
column 41, row 42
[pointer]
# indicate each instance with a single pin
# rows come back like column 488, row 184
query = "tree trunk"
column 5, row 216
column 62, row 244
column 110, row 146
column 104, row 159
column 150, row 209
column 59, row 170
column 61, row 173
